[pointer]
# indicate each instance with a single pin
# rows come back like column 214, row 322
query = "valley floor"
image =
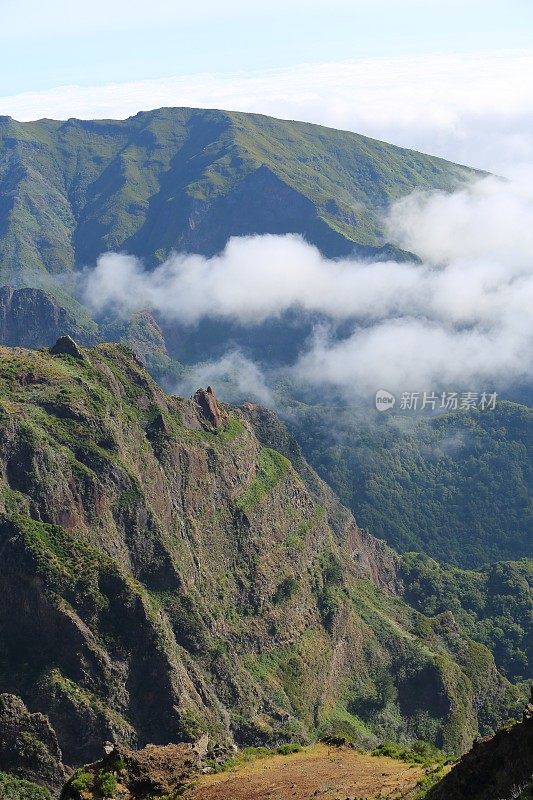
column 316, row 772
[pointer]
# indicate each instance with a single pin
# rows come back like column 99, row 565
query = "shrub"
column 286, row 589
column 417, row 752
column 81, row 780
column 12, row 788
column 107, row 783
column 289, row 748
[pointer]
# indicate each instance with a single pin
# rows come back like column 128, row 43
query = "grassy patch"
column 249, row 754
column 422, row 753
column 271, row 468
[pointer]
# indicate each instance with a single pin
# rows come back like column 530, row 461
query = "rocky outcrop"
column 33, row 318
column 134, row 774
column 28, row 745
column 65, row 345
column 498, row 767
column 211, row 415
column 168, row 567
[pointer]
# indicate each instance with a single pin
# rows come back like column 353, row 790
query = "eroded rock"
column 66, row 345
column 212, row 416
column 154, row 771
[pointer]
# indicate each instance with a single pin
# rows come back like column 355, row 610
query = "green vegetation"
column 427, row 783
column 457, row 487
column 135, row 183
column 420, row 752
column 12, row 788
column 147, row 550
column 250, row 754
column 82, row 780
column 106, row 783
column 492, row 606
column 340, row 726
column 271, row 467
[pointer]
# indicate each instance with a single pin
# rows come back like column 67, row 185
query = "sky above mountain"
column 453, row 79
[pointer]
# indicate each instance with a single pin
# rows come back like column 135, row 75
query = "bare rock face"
column 212, row 416
column 66, row 345
column 28, row 745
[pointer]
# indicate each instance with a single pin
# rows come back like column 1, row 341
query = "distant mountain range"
column 188, row 179
column 173, row 567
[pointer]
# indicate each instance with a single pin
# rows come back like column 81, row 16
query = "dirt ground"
column 317, row 772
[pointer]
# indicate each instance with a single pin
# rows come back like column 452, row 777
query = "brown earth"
column 317, row 772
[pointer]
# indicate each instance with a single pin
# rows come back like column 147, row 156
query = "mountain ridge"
column 186, row 179
column 198, row 581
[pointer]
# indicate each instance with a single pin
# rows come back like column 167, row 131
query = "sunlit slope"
column 179, row 178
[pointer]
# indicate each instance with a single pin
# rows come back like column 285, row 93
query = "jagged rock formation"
column 28, row 745
column 66, row 346
column 162, row 578
column 212, row 415
column 498, row 767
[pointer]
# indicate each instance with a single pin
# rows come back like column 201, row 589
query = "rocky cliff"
column 165, row 571
column 28, row 745
column 32, row 318
column 498, row 767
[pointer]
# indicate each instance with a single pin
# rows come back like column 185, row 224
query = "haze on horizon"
column 453, row 79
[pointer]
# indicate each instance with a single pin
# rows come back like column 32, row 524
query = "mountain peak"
column 138, row 182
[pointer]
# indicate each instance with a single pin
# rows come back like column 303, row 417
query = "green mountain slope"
column 493, row 605
column 457, row 486
column 165, row 571
column 188, row 179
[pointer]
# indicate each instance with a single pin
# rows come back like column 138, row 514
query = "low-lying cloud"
column 235, row 377
column 461, row 318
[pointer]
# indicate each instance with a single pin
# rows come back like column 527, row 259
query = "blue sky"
column 43, row 45
column 449, row 77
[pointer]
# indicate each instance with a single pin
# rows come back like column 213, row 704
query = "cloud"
column 462, row 318
column 417, row 355
column 254, row 278
column 473, row 108
column 235, row 377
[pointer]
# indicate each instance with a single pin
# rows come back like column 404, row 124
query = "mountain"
column 499, row 766
column 30, row 318
column 456, row 486
column 491, row 605
column 165, row 570
column 188, row 179
column 418, row 483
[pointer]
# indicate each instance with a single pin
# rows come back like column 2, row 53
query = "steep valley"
column 171, row 567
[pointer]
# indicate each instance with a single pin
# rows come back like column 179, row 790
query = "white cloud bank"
column 463, row 317
column 474, row 108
